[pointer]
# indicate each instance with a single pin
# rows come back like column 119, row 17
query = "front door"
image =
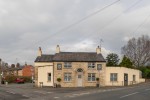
column 125, row 79
column 79, row 80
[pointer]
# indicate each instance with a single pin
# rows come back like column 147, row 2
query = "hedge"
column 11, row 79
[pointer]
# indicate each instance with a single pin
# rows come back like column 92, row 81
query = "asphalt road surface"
column 141, row 92
column 26, row 92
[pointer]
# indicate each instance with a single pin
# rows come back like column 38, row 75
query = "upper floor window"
column 67, row 65
column 113, row 76
column 91, row 65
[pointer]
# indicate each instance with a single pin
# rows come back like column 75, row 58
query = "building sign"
column 59, row 66
column 99, row 66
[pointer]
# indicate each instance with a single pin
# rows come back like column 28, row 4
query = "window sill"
column 67, row 81
column 114, row 81
column 92, row 81
column 91, row 68
column 67, row 68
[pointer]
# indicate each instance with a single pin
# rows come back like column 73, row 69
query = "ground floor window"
column 113, row 77
column 49, row 76
column 91, row 77
column 67, row 77
column 134, row 78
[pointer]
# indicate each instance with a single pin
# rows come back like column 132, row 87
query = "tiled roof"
column 44, row 58
column 72, row 57
column 78, row 56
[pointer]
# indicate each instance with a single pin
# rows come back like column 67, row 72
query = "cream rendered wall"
column 42, row 73
column 121, row 71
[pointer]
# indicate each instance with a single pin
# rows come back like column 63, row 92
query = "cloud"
column 27, row 24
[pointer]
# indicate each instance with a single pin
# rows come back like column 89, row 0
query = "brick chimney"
column 40, row 52
column 57, row 49
column 98, row 50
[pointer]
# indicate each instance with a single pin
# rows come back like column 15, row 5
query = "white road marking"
column 147, row 89
column 84, row 93
column 129, row 94
column 25, row 96
column 41, row 92
column 76, row 94
column 10, row 92
column 49, row 92
column 56, row 97
column 71, row 96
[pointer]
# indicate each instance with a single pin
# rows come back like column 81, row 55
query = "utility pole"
column 0, row 71
column 100, row 41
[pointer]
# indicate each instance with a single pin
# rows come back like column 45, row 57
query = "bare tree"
column 138, row 50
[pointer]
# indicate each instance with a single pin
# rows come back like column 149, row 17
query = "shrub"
column 59, row 79
column 11, row 78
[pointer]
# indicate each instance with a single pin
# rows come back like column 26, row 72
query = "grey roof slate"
column 44, row 58
column 78, row 57
column 72, row 57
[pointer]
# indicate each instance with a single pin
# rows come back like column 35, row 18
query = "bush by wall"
column 11, row 78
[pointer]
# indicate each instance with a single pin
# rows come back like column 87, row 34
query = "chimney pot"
column 98, row 50
column 57, row 49
column 40, row 52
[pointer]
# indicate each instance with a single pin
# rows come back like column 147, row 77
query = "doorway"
column 79, row 77
column 125, row 79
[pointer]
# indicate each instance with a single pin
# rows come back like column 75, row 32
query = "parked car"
column 19, row 80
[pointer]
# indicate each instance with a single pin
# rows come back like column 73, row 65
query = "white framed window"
column 67, row 65
column 91, row 77
column 134, row 77
column 113, row 77
column 67, row 77
column 91, row 65
column 49, row 76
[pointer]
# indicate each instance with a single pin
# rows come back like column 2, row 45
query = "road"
column 23, row 92
column 141, row 92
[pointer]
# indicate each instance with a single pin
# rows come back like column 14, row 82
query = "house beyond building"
column 81, row 69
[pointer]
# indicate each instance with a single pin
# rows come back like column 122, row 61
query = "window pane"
column 113, row 76
column 49, row 76
column 91, row 65
column 91, row 77
column 67, row 77
column 67, row 65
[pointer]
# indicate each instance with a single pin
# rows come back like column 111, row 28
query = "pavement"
column 27, row 91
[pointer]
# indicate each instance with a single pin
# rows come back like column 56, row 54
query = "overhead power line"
column 141, row 24
column 78, row 22
column 72, row 25
column 116, row 17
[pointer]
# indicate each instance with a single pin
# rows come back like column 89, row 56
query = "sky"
column 26, row 25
